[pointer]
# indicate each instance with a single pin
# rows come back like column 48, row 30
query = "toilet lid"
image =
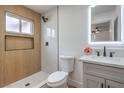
column 57, row 76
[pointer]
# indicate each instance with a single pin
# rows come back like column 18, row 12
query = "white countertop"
column 107, row 61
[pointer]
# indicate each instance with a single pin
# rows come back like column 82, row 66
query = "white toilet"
column 58, row 79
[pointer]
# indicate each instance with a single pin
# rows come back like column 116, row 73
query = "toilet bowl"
column 57, row 79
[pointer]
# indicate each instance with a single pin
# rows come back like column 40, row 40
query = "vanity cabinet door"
column 113, row 84
column 93, row 82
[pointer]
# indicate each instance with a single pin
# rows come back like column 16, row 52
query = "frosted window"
column 26, row 27
column 18, row 24
column 12, row 24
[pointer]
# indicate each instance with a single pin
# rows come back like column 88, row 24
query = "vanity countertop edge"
column 87, row 59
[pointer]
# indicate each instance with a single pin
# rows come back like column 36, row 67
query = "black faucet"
column 104, row 52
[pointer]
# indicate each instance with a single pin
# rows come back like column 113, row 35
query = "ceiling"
column 103, row 9
column 44, row 8
column 40, row 8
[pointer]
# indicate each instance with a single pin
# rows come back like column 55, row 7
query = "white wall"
column 50, row 52
column 118, row 13
column 73, row 35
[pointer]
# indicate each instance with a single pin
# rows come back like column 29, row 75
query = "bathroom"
column 61, row 46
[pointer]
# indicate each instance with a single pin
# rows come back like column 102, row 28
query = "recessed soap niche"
column 18, row 43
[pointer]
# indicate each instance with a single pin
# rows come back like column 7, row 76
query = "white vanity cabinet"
column 91, row 81
column 102, row 76
column 113, row 84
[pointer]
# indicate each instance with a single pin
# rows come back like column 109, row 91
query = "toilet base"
column 61, row 86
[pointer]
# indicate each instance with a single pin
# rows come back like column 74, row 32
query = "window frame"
column 20, row 24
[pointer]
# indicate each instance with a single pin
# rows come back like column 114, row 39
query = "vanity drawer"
column 107, row 72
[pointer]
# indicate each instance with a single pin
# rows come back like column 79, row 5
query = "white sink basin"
column 111, row 61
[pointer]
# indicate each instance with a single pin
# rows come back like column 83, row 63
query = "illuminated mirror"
column 106, row 23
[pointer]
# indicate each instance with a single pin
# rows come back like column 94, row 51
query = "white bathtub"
column 36, row 80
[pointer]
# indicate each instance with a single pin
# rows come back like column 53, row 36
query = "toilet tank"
column 66, row 63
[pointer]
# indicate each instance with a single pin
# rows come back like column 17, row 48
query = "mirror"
column 106, row 23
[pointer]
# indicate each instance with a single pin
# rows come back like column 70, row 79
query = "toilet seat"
column 57, row 78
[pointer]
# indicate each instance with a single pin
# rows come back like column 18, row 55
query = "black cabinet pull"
column 108, row 86
column 101, row 85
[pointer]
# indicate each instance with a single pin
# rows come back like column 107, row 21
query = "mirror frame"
column 110, row 42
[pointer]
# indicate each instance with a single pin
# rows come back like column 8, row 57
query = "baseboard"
column 74, row 83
